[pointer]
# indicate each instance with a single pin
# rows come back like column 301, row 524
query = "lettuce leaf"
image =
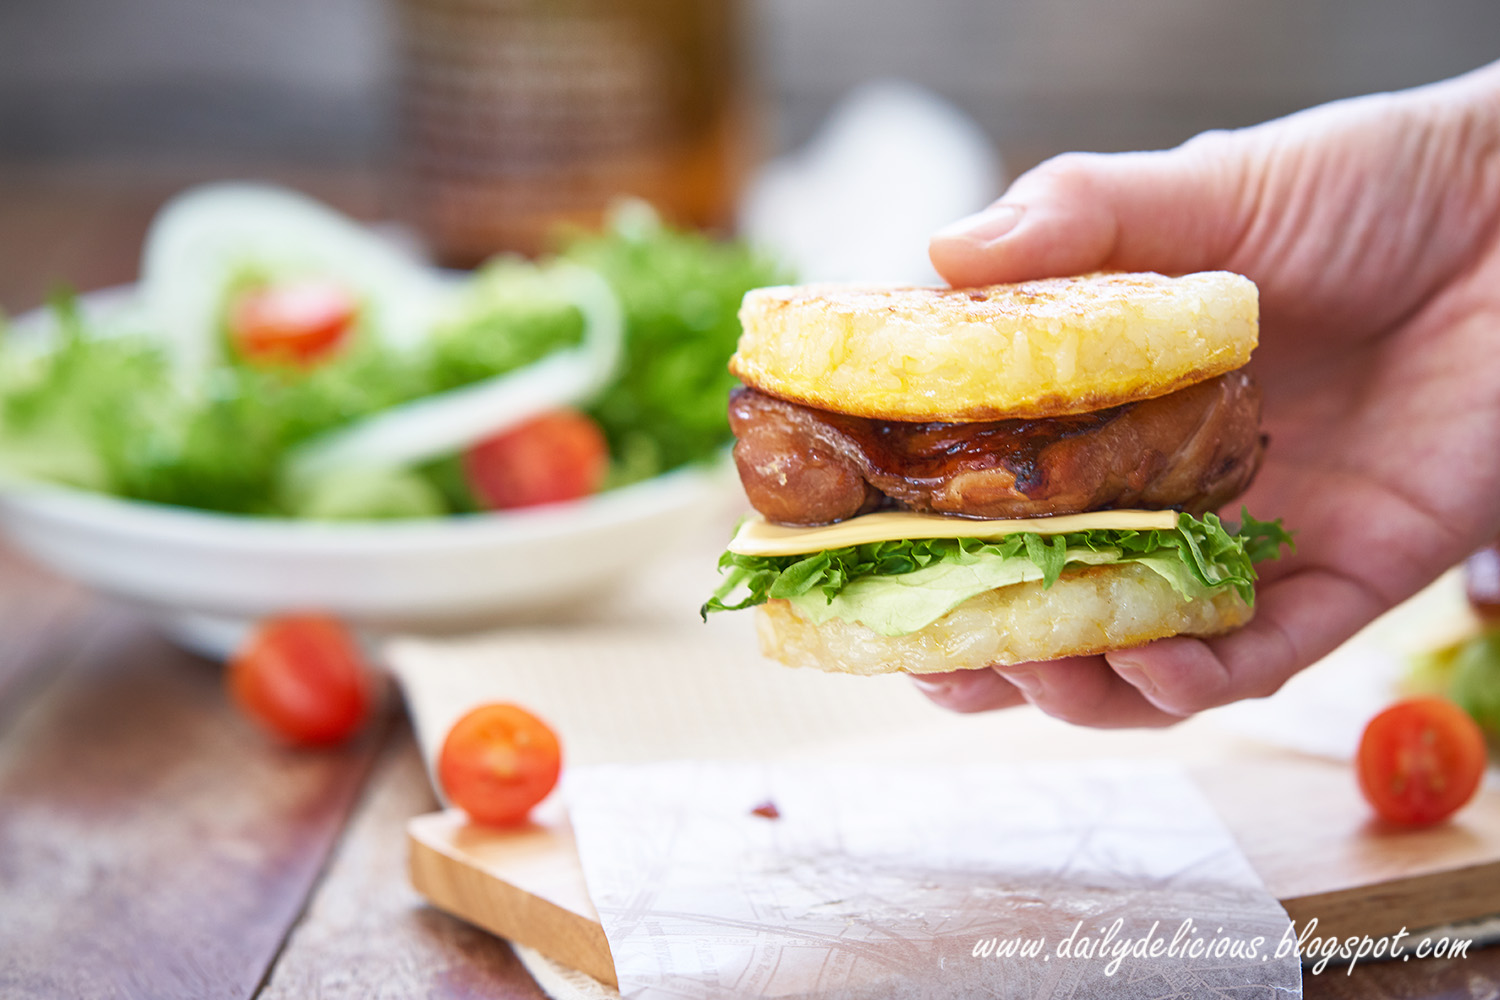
column 896, row 605
column 508, row 316
column 680, row 292
column 897, row 587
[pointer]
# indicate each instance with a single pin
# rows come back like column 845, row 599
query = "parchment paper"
column 891, row 882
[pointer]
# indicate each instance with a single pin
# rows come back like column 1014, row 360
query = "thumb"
column 1175, row 211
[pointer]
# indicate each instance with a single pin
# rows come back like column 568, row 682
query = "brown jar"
column 520, row 115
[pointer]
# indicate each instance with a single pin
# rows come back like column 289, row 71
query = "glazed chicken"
column 1194, row 450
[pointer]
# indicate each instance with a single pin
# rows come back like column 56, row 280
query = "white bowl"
column 207, row 576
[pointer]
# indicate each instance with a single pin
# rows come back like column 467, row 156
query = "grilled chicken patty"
column 1195, row 449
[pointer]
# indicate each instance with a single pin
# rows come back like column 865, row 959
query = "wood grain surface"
column 526, row 885
column 1305, row 829
column 153, row 847
column 36, row 615
column 368, row 934
column 151, row 844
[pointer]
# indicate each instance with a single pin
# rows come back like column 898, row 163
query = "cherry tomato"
column 303, row 678
column 291, row 322
column 1420, row 760
column 497, row 762
column 556, row 456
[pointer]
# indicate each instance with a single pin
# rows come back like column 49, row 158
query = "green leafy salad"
column 115, row 407
column 681, row 296
column 1466, row 672
column 898, row 587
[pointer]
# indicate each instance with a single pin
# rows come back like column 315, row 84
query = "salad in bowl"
column 287, row 412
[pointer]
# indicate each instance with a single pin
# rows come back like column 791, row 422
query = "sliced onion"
column 439, row 425
column 202, row 239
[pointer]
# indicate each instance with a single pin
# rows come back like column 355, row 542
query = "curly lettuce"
column 897, row 587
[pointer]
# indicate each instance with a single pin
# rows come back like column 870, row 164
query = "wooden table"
column 152, row 845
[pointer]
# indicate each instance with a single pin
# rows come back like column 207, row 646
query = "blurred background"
column 108, row 106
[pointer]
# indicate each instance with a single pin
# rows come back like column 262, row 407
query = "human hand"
column 1372, row 227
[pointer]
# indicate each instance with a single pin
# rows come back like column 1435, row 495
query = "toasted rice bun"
column 1030, row 350
column 1091, row 610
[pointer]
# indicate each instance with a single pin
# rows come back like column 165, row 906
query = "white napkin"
column 894, row 882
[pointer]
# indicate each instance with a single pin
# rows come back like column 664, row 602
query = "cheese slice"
column 759, row 537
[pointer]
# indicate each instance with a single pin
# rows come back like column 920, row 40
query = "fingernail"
column 1028, row 682
column 983, row 227
column 932, row 685
column 1134, row 676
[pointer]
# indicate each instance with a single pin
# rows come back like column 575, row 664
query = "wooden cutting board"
column 1300, row 821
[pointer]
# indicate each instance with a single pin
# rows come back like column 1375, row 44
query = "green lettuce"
column 1476, row 680
column 103, row 410
column 509, row 315
column 680, row 293
column 897, row 587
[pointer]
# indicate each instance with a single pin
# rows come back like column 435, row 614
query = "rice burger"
column 951, row 479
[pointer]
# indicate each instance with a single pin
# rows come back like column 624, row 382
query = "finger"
column 1083, row 690
column 1298, row 620
column 969, row 690
column 1175, row 211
